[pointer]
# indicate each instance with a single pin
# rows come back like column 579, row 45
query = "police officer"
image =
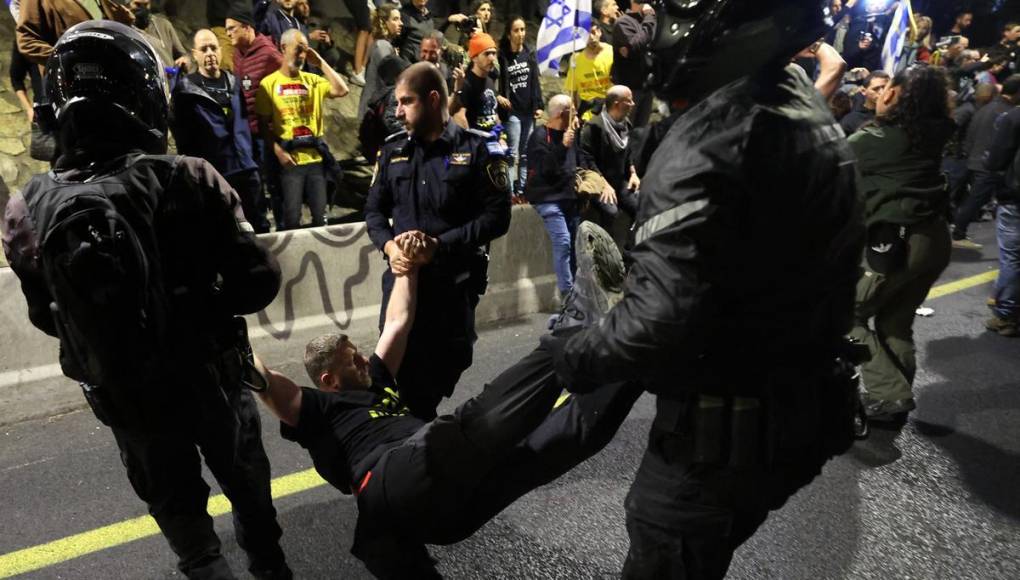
column 452, row 184
column 741, row 288
column 110, row 103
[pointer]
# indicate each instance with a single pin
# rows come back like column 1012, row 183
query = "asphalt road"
column 938, row 499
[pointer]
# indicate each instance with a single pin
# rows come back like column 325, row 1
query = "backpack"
column 101, row 265
column 372, row 132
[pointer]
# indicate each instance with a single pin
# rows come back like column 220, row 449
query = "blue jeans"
column 518, row 129
column 1007, row 285
column 561, row 221
column 302, row 183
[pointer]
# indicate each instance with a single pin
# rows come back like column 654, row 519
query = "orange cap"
column 480, row 43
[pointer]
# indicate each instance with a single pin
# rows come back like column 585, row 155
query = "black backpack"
column 372, row 132
column 101, row 263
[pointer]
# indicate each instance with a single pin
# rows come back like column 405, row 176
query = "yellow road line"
column 960, row 285
column 64, row 549
column 43, row 555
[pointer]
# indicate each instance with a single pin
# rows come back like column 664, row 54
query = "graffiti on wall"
column 335, row 292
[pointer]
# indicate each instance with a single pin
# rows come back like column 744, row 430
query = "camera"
column 468, row 25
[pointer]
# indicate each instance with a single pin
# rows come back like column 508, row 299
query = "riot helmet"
column 702, row 45
column 107, row 90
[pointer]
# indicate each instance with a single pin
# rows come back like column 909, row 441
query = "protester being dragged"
column 208, row 121
column 519, row 84
column 874, row 85
column 908, row 236
column 289, row 106
column 633, row 33
column 984, row 184
column 475, row 91
column 590, row 75
column 386, row 27
column 1004, row 156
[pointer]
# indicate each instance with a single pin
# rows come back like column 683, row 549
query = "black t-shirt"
column 218, row 89
column 340, row 430
column 479, row 100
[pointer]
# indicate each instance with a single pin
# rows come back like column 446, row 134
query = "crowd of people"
column 458, row 128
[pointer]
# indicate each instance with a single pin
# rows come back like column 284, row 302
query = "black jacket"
column 552, row 167
column 455, row 189
column 203, row 238
column 741, row 266
column 634, row 33
column 1004, row 153
column 979, row 134
column 614, row 164
column 202, row 129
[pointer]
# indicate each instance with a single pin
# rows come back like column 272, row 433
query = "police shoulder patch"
column 498, row 171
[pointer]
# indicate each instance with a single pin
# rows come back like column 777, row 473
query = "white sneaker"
column 357, row 79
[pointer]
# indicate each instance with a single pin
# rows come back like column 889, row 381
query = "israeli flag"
column 563, row 30
column 896, row 38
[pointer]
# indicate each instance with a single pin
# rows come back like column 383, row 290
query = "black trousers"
column 248, row 186
column 440, row 346
column 686, row 517
column 462, row 469
column 985, row 186
column 165, row 470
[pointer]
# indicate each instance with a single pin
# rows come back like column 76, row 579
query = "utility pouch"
column 745, row 432
column 887, row 248
column 709, row 429
column 478, row 272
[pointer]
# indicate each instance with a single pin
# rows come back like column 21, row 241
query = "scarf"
column 619, row 132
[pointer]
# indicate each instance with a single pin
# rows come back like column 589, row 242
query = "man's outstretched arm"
column 420, row 249
column 282, row 396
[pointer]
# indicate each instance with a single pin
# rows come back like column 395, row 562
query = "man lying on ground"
column 423, row 483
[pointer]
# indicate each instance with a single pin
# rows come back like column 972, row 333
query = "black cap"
column 241, row 11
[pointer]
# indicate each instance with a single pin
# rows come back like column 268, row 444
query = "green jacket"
column 900, row 184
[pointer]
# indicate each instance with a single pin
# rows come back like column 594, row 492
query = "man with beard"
column 452, row 184
column 747, row 248
column 289, row 106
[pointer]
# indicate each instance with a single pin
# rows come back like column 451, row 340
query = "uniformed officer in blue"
column 451, row 184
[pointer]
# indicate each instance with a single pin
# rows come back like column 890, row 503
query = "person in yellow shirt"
column 289, row 107
column 589, row 72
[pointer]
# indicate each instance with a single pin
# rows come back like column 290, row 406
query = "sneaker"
column 888, row 411
column 598, row 285
column 357, row 79
column 966, row 244
column 1002, row 327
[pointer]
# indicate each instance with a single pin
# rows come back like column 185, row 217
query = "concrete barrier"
column 331, row 282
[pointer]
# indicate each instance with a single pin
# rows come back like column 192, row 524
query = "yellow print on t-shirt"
column 295, row 107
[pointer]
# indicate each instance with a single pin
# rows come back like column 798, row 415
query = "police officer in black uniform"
column 452, row 184
column 748, row 240
column 110, row 102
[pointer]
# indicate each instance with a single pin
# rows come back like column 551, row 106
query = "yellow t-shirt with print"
column 592, row 74
column 295, row 106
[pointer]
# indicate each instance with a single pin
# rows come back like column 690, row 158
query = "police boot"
column 598, row 285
